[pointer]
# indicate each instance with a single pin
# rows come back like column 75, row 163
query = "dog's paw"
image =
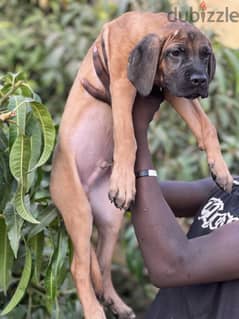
column 118, row 307
column 220, row 173
column 122, row 187
column 123, row 313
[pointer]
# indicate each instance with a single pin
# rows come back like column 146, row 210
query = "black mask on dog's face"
column 183, row 64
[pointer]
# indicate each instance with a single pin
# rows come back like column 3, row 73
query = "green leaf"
column 19, row 159
column 26, row 90
column 36, row 145
column 6, row 257
column 33, row 130
column 3, row 140
column 21, row 207
column 6, row 180
column 12, row 134
column 56, row 269
column 14, row 224
column 46, row 216
column 22, row 286
column 37, row 243
column 21, row 104
column 13, row 77
column 4, row 165
column 19, row 164
column 48, row 131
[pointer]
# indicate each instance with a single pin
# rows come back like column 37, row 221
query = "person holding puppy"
column 202, row 267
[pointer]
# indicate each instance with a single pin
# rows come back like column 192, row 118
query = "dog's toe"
column 122, row 188
column 113, row 195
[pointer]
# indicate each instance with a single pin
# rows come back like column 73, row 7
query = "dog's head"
column 182, row 63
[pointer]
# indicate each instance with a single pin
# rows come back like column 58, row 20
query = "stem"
column 29, row 308
column 57, row 309
column 10, row 92
column 43, row 294
column 38, row 288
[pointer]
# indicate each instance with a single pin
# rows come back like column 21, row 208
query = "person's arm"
column 185, row 198
column 171, row 258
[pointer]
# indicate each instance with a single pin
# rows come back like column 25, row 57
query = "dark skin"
column 170, row 257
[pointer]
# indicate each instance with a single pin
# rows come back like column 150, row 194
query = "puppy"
column 95, row 153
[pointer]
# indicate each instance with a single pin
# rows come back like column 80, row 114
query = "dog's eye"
column 205, row 53
column 176, row 52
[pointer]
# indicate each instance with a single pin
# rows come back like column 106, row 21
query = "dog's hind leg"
column 108, row 220
column 96, row 275
column 73, row 204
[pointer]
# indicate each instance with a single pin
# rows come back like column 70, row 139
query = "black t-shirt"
column 205, row 301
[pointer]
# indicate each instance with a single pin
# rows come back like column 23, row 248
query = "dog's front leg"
column 206, row 134
column 122, row 182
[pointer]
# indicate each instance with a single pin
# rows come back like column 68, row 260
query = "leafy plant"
column 27, row 137
column 49, row 44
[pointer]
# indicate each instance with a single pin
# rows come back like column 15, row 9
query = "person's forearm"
column 176, row 194
column 152, row 228
column 170, row 257
column 143, row 158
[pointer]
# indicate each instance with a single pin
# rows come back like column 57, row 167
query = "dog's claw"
column 221, row 174
column 118, row 204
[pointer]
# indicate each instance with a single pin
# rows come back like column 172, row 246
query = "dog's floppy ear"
column 143, row 63
column 212, row 66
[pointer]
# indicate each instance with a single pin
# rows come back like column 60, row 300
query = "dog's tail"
column 96, row 275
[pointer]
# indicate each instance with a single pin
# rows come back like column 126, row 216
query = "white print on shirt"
column 212, row 214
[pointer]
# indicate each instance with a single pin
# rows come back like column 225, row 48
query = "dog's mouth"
column 196, row 95
column 182, row 90
column 193, row 95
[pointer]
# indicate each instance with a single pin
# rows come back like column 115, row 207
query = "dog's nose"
column 198, row 79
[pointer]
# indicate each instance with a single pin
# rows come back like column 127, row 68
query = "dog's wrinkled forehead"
column 189, row 37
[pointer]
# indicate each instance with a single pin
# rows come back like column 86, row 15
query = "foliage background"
column 47, row 40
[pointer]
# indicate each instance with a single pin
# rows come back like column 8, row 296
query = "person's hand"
column 144, row 110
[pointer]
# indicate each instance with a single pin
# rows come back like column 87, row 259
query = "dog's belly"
column 92, row 141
